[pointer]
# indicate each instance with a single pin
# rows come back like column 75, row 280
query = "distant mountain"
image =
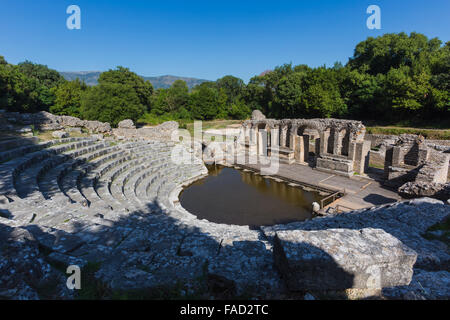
column 91, row 77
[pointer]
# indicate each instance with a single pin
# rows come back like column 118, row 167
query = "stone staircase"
column 89, row 172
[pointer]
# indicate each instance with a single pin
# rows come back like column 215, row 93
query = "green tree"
column 124, row 76
column 287, row 99
column 392, row 51
column 204, row 103
column 68, row 98
column 406, row 93
column 46, row 77
column 178, row 95
column 18, row 92
column 239, row 110
column 232, row 87
column 111, row 102
column 321, row 96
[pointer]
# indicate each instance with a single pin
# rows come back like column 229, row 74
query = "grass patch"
column 149, row 119
column 91, row 287
column 377, row 166
column 431, row 134
column 214, row 124
column 439, row 231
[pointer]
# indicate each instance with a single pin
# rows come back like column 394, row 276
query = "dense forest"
column 391, row 78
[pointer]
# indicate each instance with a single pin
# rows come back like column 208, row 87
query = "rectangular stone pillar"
column 298, row 149
column 262, row 143
column 361, row 162
column 305, row 148
column 351, row 151
column 317, row 147
column 292, row 139
column 274, row 138
column 253, row 135
column 283, row 136
column 397, row 156
column 301, row 150
column 336, row 142
column 324, row 135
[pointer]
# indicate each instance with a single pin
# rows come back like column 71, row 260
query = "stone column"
column 297, row 147
column 324, row 135
column 262, row 137
column 283, row 134
column 397, row 156
column 336, row 142
column 253, row 135
column 361, row 162
column 274, row 138
column 317, row 145
column 292, row 139
column 305, row 148
column 301, row 149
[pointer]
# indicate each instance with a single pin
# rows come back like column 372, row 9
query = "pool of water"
column 232, row 196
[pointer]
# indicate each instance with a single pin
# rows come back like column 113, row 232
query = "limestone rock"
column 60, row 134
column 98, row 127
column 160, row 132
column 126, row 124
column 168, row 125
column 22, row 267
column 338, row 259
column 74, row 129
column 425, row 189
column 424, row 285
column 258, row 115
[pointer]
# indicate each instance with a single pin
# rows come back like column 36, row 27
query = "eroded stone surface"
column 24, row 272
column 126, row 124
column 339, row 259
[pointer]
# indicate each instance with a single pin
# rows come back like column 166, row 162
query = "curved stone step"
column 21, row 151
column 120, row 186
column 12, row 168
column 51, row 182
column 27, row 182
column 70, row 185
column 103, row 184
column 13, row 143
column 87, row 186
column 117, row 186
column 133, row 182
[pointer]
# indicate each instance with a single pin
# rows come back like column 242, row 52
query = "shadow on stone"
column 377, row 199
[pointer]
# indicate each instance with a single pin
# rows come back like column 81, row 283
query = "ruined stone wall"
column 376, row 140
column 22, row 122
column 415, row 168
column 161, row 132
column 338, row 144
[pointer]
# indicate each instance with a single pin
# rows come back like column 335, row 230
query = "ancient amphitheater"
column 110, row 198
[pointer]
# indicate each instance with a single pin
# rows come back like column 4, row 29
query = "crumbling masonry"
column 330, row 145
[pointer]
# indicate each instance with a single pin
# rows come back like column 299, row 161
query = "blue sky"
column 204, row 39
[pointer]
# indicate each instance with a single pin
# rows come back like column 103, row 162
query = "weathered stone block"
column 60, row 134
column 126, row 124
column 338, row 259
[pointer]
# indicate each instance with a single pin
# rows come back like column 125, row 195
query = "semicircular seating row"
column 108, row 175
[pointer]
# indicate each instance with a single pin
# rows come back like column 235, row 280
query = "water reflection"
column 237, row 197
